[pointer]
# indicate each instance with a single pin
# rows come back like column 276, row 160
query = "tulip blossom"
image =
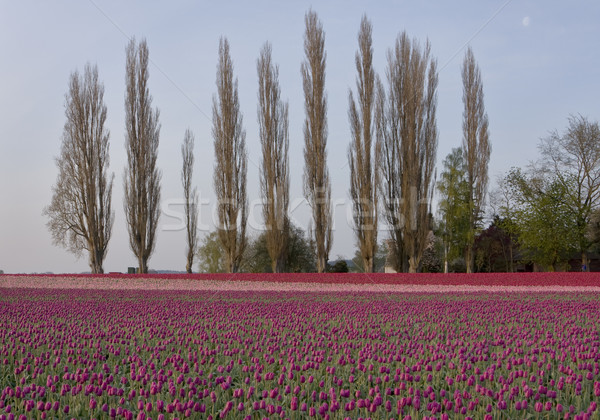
column 266, row 346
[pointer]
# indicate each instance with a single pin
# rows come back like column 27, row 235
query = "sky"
column 539, row 63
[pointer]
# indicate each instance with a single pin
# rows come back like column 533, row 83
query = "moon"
column 526, row 21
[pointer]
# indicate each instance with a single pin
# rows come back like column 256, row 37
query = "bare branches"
column 231, row 161
column 408, row 130
column 191, row 197
column 142, row 177
column 476, row 147
column 363, row 153
column 573, row 158
column 80, row 213
column 317, row 186
column 274, row 178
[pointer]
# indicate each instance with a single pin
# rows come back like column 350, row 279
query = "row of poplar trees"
column 391, row 155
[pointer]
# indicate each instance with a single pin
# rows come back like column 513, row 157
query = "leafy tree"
column 256, row 256
column 378, row 260
column 433, row 254
column 503, row 204
column 301, row 252
column 494, row 248
column 545, row 223
column 340, row 266
column 572, row 158
column 300, row 255
column 210, row 254
column 593, row 230
column 453, row 207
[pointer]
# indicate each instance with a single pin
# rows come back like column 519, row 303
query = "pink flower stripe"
column 197, row 284
column 480, row 279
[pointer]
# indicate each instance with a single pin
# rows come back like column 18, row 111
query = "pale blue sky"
column 540, row 62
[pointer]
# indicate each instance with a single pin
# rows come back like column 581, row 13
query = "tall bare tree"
column 191, row 198
column 317, row 186
column 274, row 178
column 476, row 148
column 80, row 212
column 142, row 177
column 388, row 134
column 408, row 130
column 363, row 153
column 574, row 158
column 231, row 161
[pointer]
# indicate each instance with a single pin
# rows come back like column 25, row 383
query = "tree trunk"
column 413, row 265
column 280, row 264
column 143, row 268
column 96, row 259
column 584, row 262
column 229, row 266
column 96, row 268
column 401, row 263
column 469, row 258
column 368, row 265
column 190, row 261
column 553, row 263
column 321, row 264
column 445, row 259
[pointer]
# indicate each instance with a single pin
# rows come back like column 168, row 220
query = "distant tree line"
column 541, row 214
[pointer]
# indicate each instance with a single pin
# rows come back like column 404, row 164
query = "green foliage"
column 495, row 247
column 593, row 231
column 432, row 261
column 454, row 205
column 573, row 160
column 256, row 256
column 378, row 260
column 300, row 254
column 210, row 255
column 544, row 222
column 340, row 266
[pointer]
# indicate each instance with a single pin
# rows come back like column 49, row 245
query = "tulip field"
column 295, row 347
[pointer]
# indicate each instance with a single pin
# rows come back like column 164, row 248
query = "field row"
column 256, row 354
column 350, row 282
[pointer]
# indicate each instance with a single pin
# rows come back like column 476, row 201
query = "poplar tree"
column 231, row 162
column 142, row 176
column 80, row 213
column 317, row 185
column 476, row 149
column 407, row 127
column 274, row 175
column 364, row 151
